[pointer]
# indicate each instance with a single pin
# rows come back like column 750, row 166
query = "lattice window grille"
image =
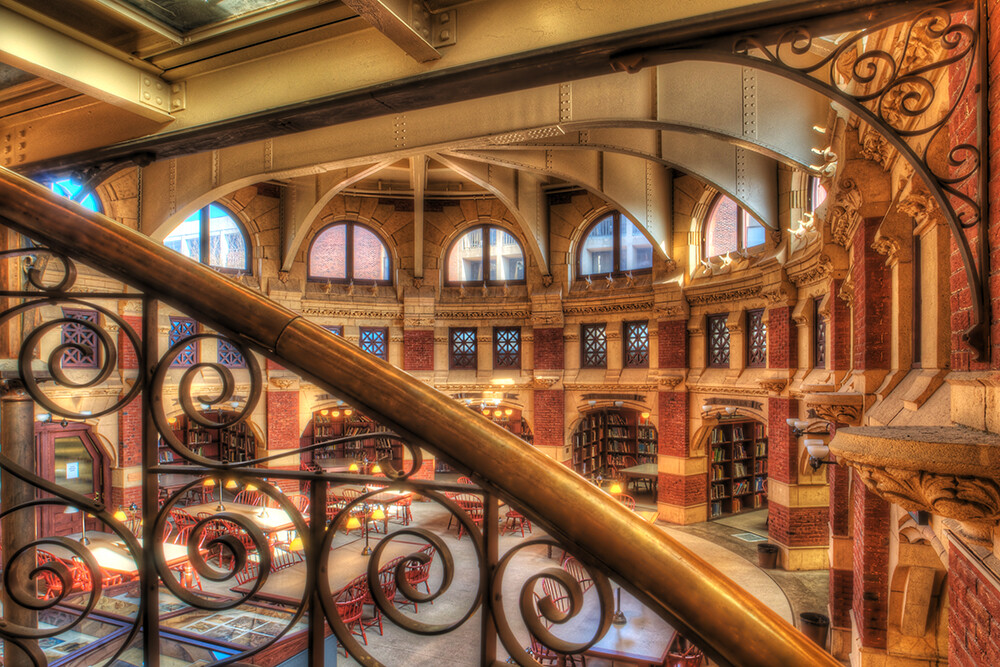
column 718, row 341
column 595, row 346
column 336, row 329
column 756, row 339
column 636, row 344
column 375, row 341
column 80, row 334
column 507, row 348
column 181, row 328
column 463, row 348
column 229, row 356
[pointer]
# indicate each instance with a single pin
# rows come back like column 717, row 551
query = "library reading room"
column 458, row 333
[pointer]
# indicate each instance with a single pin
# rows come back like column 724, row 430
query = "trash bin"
column 767, row 555
column 815, row 627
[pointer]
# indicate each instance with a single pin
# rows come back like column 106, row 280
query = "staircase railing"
column 727, row 622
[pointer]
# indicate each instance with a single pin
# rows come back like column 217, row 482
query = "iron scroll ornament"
column 899, row 91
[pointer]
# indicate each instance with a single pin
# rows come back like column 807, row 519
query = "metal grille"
column 506, row 347
column 593, row 346
column 756, row 339
column 462, row 348
column 229, row 356
column 80, row 340
column 375, row 341
column 181, row 328
column 819, row 333
column 636, row 344
column 718, row 341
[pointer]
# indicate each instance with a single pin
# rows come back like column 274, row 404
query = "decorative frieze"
column 721, row 296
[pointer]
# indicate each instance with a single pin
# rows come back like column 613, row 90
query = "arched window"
column 368, row 259
column 212, row 236
column 73, row 189
column 501, row 252
column 729, row 228
column 817, row 193
column 613, row 244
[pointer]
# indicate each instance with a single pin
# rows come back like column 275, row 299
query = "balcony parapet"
column 950, row 471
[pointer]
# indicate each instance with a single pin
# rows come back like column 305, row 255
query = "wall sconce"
column 818, row 451
column 731, row 410
column 802, row 427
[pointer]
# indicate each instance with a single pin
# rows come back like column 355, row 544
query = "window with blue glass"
column 212, row 236
column 229, row 356
column 337, row 329
column 181, row 328
column 73, row 189
column 375, row 341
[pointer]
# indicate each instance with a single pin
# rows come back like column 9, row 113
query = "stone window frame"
column 742, row 216
column 507, row 352
column 485, row 280
column 591, row 335
column 717, row 323
column 638, row 357
column 374, row 341
column 463, row 349
column 349, row 276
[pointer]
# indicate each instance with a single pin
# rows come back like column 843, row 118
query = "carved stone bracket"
column 952, row 472
column 845, row 214
column 843, row 409
column 773, row 385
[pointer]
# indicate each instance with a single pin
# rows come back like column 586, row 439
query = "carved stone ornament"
column 818, row 271
column 918, row 206
column 670, row 265
column 846, row 292
column 887, row 246
column 779, row 293
column 671, row 381
column 543, row 382
column 843, row 409
column 418, row 282
column 547, row 280
column 950, row 471
column 845, row 214
column 283, row 277
column 773, row 385
column 284, row 383
column 876, row 148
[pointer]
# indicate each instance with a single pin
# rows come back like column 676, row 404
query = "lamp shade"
column 378, row 514
column 295, row 545
column 801, row 425
column 353, row 523
column 231, row 484
column 335, row 413
column 70, row 509
column 508, row 412
column 353, row 467
column 616, row 488
column 348, row 412
column 817, row 448
column 730, row 410
column 791, row 421
column 376, row 469
column 120, row 515
column 251, row 487
column 645, row 415
column 209, row 482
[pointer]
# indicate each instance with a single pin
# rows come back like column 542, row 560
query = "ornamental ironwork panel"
column 180, row 328
column 718, row 341
column 462, row 351
column 756, row 339
column 593, row 346
column 636, row 344
column 375, row 341
column 819, row 336
column 229, row 356
column 506, row 347
column 200, row 567
column 79, row 338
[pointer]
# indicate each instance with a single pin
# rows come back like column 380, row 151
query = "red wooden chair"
column 420, row 573
column 53, row 585
column 245, row 497
column 575, row 568
column 402, row 511
column 351, row 607
column 249, row 573
column 82, row 579
column 282, row 557
column 471, row 505
column 683, row 653
column 516, row 521
column 627, row 500
column 300, row 501
column 465, row 480
column 547, row 657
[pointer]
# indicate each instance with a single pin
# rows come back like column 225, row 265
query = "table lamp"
column 120, row 514
column 616, row 489
column 70, row 509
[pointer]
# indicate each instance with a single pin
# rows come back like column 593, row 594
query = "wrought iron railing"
column 610, row 540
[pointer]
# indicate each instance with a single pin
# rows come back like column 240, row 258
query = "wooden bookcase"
column 231, row 444
column 326, row 427
column 737, row 468
column 604, row 438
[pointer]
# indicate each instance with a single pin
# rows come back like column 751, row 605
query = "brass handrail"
column 697, row 599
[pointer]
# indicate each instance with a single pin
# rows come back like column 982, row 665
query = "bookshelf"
column 231, row 444
column 330, row 426
column 605, row 438
column 737, row 461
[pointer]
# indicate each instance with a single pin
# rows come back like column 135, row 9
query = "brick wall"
column 841, row 595
column 672, row 426
column 782, row 447
column 973, row 615
column 871, row 566
column 838, row 330
column 130, row 434
column 683, row 490
column 797, row 526
column 872, row 301
column 549, row 417
column 426, row 470
column 283, row 420
column 673, row 343
column 127, row 359
column 418, row 350
column 549, row 349
column 125, row 497
column 782, row 339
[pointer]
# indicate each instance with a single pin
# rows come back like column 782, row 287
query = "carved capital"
column 846, row 212
column 887, row 246
column 846, row 292
column 876, row 148
column 779, row 294
column 842, row 409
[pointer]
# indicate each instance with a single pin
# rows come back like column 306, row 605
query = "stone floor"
column 789, row 593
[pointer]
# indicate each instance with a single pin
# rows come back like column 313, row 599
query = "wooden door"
column 71, row 457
